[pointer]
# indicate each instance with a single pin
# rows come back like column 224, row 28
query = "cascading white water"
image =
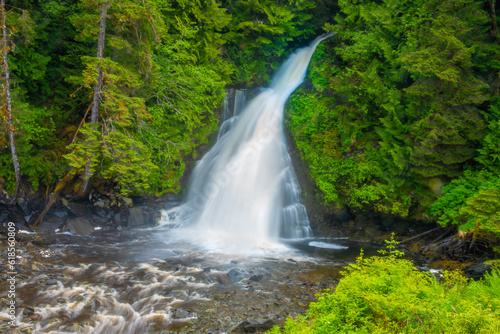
column 244, row 190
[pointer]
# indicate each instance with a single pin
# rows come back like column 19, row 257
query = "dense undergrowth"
column 386, row 294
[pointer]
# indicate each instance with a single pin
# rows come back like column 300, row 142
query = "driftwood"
column 448, row 230
column 420, row 235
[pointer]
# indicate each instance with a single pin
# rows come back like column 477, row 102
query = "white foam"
column 321, row 244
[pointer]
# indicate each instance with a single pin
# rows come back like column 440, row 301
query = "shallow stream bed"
column 153, row 281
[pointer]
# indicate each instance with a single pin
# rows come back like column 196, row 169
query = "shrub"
column 389, row 295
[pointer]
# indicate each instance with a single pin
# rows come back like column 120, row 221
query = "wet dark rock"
column 387, row 222
column 371, row 232
column 59, row 217
column 63, row 215
column 235, row 275
column 47, row 228
column 92, row 305
column 253, row 326
column 180, row 313
column 136, row 217
column 28, row 311
column 255, row 278
column 222, row 279
column 80, row 226
column 24, row 206
column 341, row 215
column 477, row 271
column 77, row 209
column 50, row 281
column 101, row 213
column 98, row 220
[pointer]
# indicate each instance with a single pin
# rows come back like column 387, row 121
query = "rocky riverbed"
column 116, row 265
column 113, row 284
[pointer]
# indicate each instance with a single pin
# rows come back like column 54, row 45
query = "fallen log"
column 420, row 235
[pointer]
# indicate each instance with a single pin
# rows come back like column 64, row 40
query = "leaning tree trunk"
column 60, row 186
column 8, row 106
column 94, row 115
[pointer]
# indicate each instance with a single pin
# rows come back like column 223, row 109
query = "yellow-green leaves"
column 389, row 295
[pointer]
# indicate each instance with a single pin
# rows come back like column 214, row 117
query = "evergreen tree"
column 7, row 107
column 126, row 35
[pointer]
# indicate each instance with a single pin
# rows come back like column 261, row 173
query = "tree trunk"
column 60, row 186
column 94, row 115
column 8, row 106
column 494, row 32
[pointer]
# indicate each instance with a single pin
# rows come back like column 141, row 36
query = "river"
column 150, row 281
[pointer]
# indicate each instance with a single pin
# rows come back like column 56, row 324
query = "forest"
column 400, row 111
column 399, row 115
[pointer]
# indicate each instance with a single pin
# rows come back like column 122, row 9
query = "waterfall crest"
column 244, row 191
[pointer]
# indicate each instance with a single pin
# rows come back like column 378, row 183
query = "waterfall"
column 244, row 191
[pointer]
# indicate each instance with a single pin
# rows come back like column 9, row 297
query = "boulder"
column 256, row 278
column 48, row 228
column 80, row 226
column 77, row 209
column 136, row 217
column 235, row 275
column 180, row 314
column 477, row 271
column 56, row 217
column 24, row 206
column 253, row 326
column 222, row 279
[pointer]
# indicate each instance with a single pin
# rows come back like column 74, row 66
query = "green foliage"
column 114, row 145
column 390, row 295
column 472, row 202
column 117, row 157
column 37, row 146
column 403, row 91
column 391, row 250
column 260, row 34
column 489, row 153
column 187, row 85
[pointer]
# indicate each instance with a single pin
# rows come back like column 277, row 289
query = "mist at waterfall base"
column 244, row 194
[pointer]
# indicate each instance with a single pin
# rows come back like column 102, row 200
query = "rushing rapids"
column 147, row 281
column 244, row 191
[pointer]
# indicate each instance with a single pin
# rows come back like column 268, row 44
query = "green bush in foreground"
column 390, row 295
